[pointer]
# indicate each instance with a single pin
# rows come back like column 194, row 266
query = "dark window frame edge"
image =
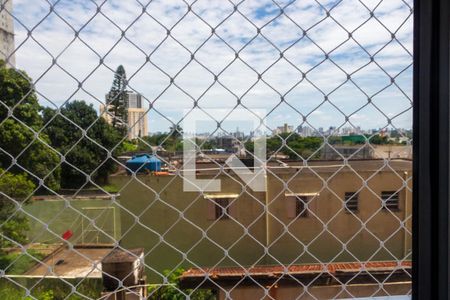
column 430, row 270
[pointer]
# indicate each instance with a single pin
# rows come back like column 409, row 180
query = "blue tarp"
column 143, row 163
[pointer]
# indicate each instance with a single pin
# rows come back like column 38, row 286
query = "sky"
column 313, row 63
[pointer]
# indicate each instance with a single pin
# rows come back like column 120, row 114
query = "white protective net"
column 245, row 150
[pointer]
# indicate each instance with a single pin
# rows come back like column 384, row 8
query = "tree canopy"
column 295, row 147
column 14, row 190
column 173, row 291
column 22, row 147
column 116, row 101
column 85, row 140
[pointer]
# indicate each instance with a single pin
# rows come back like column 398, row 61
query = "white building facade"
column 7, row 33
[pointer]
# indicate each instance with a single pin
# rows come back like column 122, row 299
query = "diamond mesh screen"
column 205, row 149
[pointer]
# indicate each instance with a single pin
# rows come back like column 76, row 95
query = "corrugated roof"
column 295, row 269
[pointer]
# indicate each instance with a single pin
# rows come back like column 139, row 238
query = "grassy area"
column 18, row 263
column 50, row 289
column 74, row 215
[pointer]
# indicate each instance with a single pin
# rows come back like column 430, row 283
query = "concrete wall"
column 7, row 33
column 172, row 240
column 158, row 217
column 286, row 292
column 327, row 210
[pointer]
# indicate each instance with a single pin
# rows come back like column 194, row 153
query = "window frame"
column 213, row 206
column 431, row 247
column 297, row 197
column 301, row 206
column 351, row 196
column 221, row 211
column 390, row 200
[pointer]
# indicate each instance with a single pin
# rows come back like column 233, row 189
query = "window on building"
column 221, row 206
column 297, row 205
column 301, row 209
column 351, row 201
column 390, row 200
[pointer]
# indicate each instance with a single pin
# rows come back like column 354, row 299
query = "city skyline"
column 381, row 71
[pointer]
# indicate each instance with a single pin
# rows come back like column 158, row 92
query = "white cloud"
column 146, row 31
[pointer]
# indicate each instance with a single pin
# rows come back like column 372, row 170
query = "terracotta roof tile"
column 296, row 269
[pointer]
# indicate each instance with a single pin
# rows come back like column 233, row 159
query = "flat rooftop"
column 286, row 166
column 80, row 262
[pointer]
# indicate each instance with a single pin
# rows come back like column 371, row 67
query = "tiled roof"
column 295, row 269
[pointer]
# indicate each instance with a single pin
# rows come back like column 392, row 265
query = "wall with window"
column 361, row 229
column 287, row 228
column 158, row 217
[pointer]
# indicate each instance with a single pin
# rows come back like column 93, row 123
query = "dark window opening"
column 222, row 211
column 390, row 200
column 351, row 201
column 301, row 209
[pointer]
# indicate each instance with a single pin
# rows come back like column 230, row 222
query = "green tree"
column 22, row 146
column 82, row 141
column 116, row 101
column 15, row 189
column 175, row 131
column 172, row 290
column 296, row 146
column 378, row 139
column 171, row 141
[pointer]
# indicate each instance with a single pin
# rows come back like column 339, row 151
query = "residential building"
column 305, row 131
column 137, row 122
column 361, row 203
column 283, row 129
column 7, row 33
column 226, row 142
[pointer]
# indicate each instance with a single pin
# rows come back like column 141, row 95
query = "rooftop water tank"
column 144, row 163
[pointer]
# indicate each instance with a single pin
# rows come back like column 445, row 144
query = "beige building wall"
column 176, row 228
column 7, row 33
column 104, row 113
column 137, row 121
column 296, row 291
column 166, row 234
column 349, row 234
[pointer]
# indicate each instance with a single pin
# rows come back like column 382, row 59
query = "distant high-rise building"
column 137, row 123
column 134, row 100
column 284, row 129
column 7, row 33
column 306, row 131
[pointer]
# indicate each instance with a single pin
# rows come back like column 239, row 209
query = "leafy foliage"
column 82, row 137
column 20, row 122
column 14, row 189
column 166, row 141
column 176, row 132
column 51, row 289
column 172, row 291
column 295, row 146
column 18, row 263
column 117, row 97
